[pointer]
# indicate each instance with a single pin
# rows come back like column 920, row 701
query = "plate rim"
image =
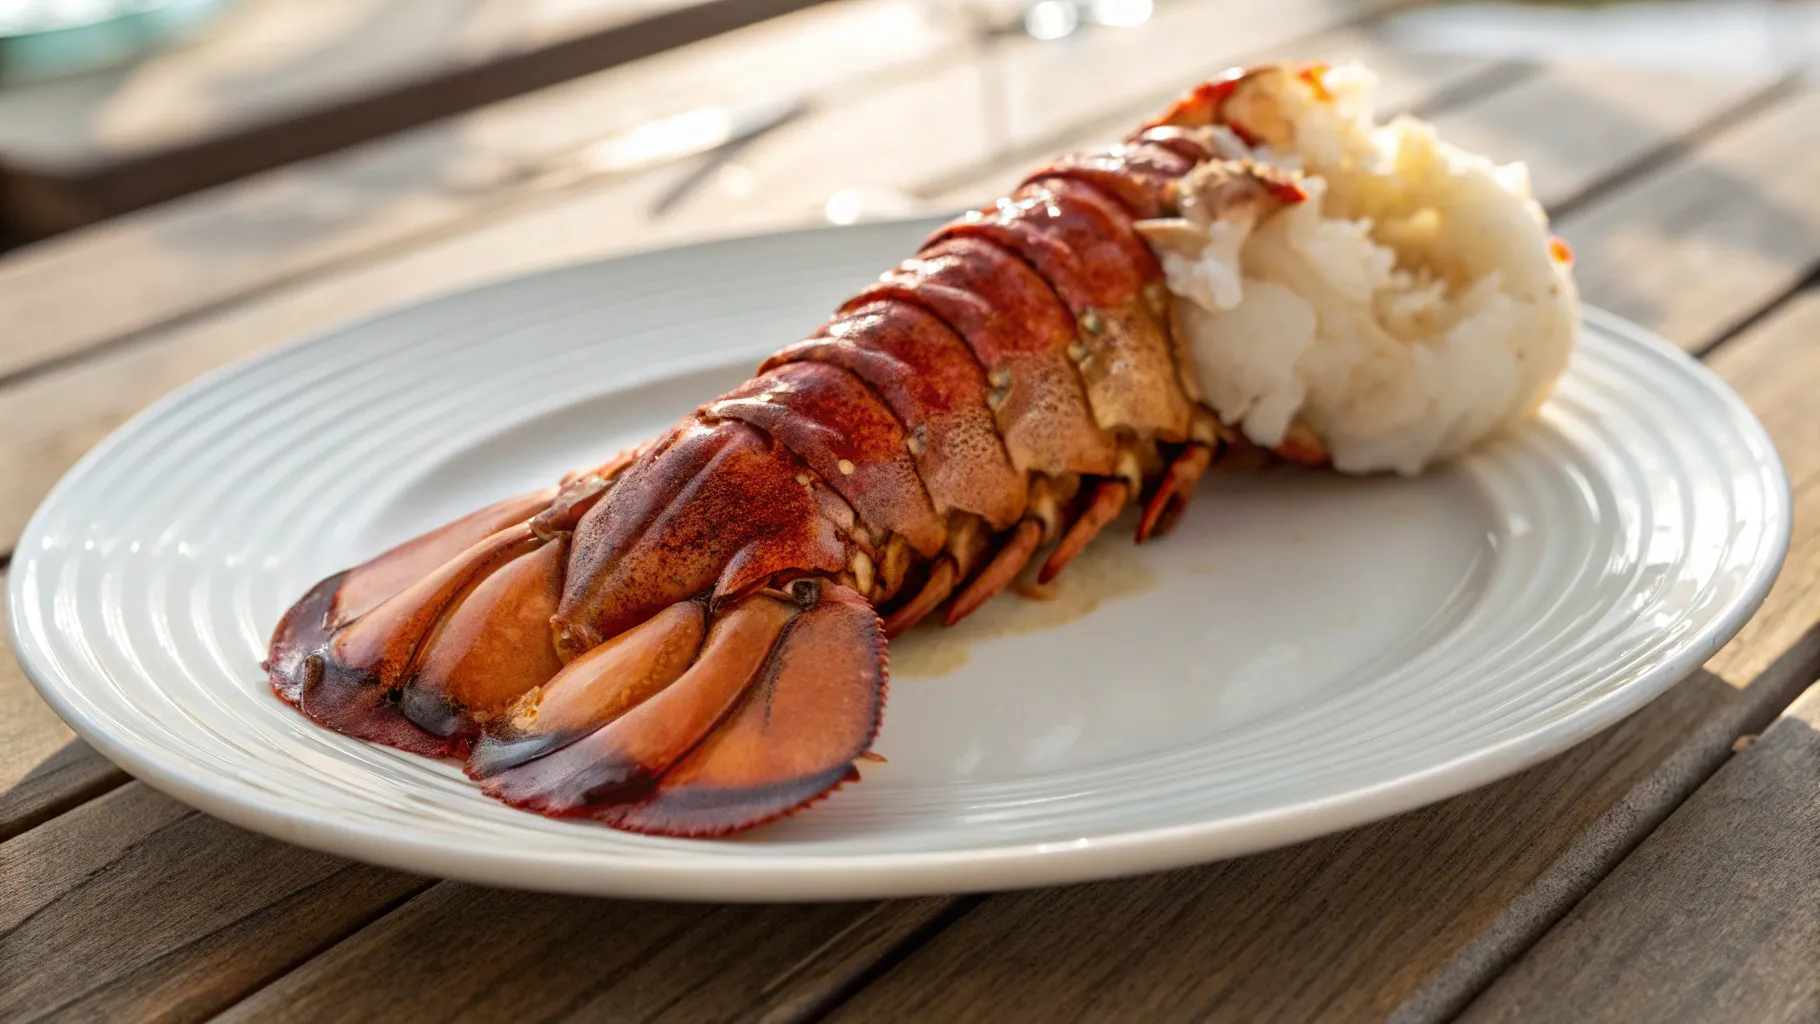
column 818, row 877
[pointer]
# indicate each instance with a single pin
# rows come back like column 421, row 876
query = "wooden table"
column 1667, row 869
column 277, row 81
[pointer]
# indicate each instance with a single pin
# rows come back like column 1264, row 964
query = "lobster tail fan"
column 418, row 646
column 783, row 697
column 352, row 676
column 593, row 690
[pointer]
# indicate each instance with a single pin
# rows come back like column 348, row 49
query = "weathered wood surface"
column 1715, row 918
column 44, row 769
column 133, row 906
column 1408, row 918
column 277, row 82
column 459, row 951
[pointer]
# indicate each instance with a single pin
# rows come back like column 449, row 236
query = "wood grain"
column 1715, row 918
column 461, row 952
column 1698, row 246
column 44, row 768
column 1022, row 97
column 1777, row 364
column 133, row 905
column 1617, row 121
column 1406, row 81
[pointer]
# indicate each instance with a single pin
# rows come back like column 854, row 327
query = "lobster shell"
column 688, row 639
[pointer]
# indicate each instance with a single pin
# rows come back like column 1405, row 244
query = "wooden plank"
column 459, row 950
column 333, row 50
column 1699, row 246
column 76, row 150
column 1715, row 918
column 187, row 255
column 44, row 768
column 135, row 906
column 1406, row 919
column 1619, row 120
column 1776, row 363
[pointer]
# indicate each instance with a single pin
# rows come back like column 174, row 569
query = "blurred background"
column 331, row 117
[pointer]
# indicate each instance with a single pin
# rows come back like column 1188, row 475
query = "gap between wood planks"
column 905, row 946
column 44, row 769
column 1744, row 325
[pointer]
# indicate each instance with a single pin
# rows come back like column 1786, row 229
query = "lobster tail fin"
column 784, row 695
column 352, row 676
column 373, row 581
column 340, row 599
column 593, row 690
column 416, row 646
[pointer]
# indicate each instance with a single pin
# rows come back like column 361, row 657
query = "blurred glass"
column 47, row 38
column 1051, row 19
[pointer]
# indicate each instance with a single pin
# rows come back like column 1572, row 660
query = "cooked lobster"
column 690, row 639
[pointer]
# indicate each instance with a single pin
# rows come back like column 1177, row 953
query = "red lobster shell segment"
column 1019, row 331
column 1084, row 245
column 849, row 438
column 687, row 640
column 937, row 390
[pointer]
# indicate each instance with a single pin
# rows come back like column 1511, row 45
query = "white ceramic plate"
column 1306, row 653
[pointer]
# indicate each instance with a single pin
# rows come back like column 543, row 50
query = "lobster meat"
column 690, row 639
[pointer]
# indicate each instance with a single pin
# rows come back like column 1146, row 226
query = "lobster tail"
column 687, row 640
